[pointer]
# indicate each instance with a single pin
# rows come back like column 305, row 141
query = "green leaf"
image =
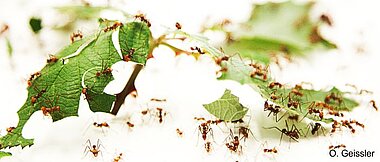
column 140, row 45
column 227, row 108
column 36, row 24
column 81, row 12
column 278, row 28
column 9, row 47
column 81, row 64
column 4, row 154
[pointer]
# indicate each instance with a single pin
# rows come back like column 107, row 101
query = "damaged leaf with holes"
column 227, row 108
column 60, row 83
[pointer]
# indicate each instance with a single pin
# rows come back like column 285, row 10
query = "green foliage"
column 83, row 64
column 227, row 108
column 3, row 154
column 277, row 28
column 35, row 24
column 9, row 46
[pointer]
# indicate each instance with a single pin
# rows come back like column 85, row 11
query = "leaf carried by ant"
column 227, row 108
column 4, row 154
column 59, row 83
column 277, row 28
column 138, row 48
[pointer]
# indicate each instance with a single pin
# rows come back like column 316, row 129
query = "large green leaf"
column 81, row 64
column 227, row 108
column 275, row 28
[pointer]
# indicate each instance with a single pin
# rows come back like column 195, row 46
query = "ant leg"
column 277, row 120
column 86, row 150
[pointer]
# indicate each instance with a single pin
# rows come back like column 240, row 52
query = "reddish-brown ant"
column 296, row 92
column 101, row 125
column 113, row 27
column 259, row 72
column 94, row 149
column 198, row 50
column 337, row 146
column 158, row 100
column 143, row 19
column 373, row 104
column 4, row 29
column 52, row 59
column 357, row 123
column 208, row 147
column 204, row 129
column 179, row 132
column 118, row 158
column 273, row 109
column 244, row 131
column 10, row 129
column 293, row 133
column 336, row 113
column 32, row 77
column 274, row 84
column 326, row 18
column 219, row 60
column 334, row 97
column 293, row 117
column 76, row 35
column 312, row 110
column 178, row 25
column 160, row 114
column 273, row 150
column 46, row 111
column 234, row 144
column 130, row 125
column 34, row 98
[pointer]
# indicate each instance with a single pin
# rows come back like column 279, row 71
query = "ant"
column 204, row 129
column 219, row 60
column 101, row 125
column 106, row 71
column 324, row 105
column 297, row 92
column 143, row 19
column 130, row 125
column 4, row 29
column 197, row 49
column 259, row 72
column 293, row 133
column 244, row 131
column 357, row 123
column 34, row 98
column 273, row 109
column 347, row 124
column 336, row 113
column 10, row 129
column 76, row 35
column 335, row 125
column 293, row 117
column 179, row 132
column 337, row 146
column 158, row 100
column 273, row 150
column 178, row 25
column 53, row 108
column 312, row 110
column 32, row 77
column 52, row 59
column 208, row 147
column 160, row 114
column 113, row 27
column 315, row 128
column 234, row 145
column 373, row 104
column 117, row 158
column 274, row 84
column 326, row 18
column 334, row 97
column 94, row 149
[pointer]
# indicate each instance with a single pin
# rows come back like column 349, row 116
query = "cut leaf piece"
column 227, row 108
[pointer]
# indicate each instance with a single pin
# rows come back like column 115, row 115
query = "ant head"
column 95, row 123
column 94, row 146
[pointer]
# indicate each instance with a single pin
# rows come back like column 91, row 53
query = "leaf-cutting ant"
column 94, row 149
column 293, row 133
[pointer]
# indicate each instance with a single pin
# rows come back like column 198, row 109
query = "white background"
column 189, row 86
